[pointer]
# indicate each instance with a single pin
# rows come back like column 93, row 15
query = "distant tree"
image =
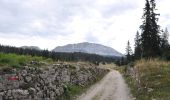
column 58, row 56
column 150, row 39
column 165, row 37
column 128, row 52
column 138, row 51
column 165, row 44
column 122, row 61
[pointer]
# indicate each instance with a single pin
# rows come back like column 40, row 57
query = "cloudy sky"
column 51, row 23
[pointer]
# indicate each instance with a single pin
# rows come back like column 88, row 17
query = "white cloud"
column 51, row 23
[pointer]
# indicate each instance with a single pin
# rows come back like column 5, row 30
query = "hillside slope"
column 91, row 48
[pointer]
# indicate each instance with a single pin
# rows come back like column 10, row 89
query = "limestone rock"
column 45, row 83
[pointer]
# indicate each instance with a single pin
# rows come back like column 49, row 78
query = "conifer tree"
column 165, row 37
column 150, row 39
column 128, row 52
column 137, row 52
column 165, row 44
column 155, row 30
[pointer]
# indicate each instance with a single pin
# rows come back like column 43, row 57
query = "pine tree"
column 137, row 52
column 150, row 39
column 128, row 52
column 165, row 44
column 155, row 30
column 165, row 37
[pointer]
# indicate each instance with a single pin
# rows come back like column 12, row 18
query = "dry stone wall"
column 44, row 83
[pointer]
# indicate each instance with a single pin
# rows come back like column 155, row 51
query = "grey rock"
column 32, row 91
column 1, row 95
column 28, row 78
column 1, row 87
column 40, row 94
column 9, row 93
column 44, row 75
column 24, row 72
column 45, row 83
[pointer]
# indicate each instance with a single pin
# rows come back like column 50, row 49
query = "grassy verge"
column 151, row 80
column 16, row 61
column 71, row 91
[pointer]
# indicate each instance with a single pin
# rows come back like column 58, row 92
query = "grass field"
column 151, row 80
column 16, row 61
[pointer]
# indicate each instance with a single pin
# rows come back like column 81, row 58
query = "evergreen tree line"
column 58, row 56
column 151, row 42
column 163, row 52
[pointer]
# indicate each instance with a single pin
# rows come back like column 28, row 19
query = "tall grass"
column 151, row 80
column 13, row 60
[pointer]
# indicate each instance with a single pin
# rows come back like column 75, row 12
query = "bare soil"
column 111, row 87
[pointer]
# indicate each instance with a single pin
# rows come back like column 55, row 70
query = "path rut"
column 111, row 87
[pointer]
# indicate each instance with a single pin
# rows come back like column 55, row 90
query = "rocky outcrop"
column 44, row 83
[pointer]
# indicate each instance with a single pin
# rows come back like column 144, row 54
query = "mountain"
column 91, row 48
column 31, row 47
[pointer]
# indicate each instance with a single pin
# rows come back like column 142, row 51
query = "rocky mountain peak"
column 91, row 48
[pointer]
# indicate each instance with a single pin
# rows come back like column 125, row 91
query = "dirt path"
column 111, row 87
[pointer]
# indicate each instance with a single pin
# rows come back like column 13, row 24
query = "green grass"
column 152, row 80
column 17, row 61
column 70, row 91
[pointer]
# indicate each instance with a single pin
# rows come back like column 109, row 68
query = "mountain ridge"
column 91, row 48
column 31, row 47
